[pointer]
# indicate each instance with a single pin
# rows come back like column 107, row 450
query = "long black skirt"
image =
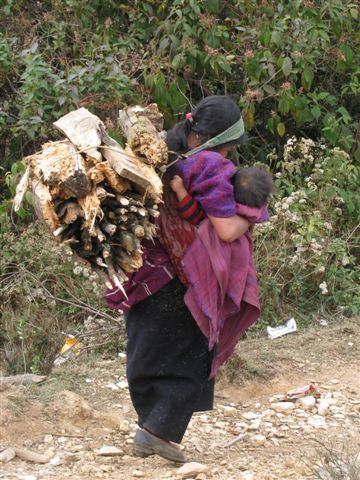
column 168, row 363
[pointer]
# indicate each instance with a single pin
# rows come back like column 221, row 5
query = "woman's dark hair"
column 211, row 116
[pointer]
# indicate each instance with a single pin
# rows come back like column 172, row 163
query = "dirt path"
column 85, row 405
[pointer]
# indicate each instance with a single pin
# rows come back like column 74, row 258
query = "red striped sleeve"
column 190, row 210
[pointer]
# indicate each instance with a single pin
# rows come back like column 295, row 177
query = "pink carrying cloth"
column 223, row 295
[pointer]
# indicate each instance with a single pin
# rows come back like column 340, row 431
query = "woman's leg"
column 168, row 363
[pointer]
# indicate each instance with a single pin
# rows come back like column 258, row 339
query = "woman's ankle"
column 154, row 434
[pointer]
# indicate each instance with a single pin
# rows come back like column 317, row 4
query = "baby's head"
column 253, row 186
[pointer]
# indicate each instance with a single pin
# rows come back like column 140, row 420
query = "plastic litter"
column 70, row 349
column 288, row 327
column 304, row 391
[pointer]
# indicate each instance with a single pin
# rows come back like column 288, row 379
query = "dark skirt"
column 168, row 363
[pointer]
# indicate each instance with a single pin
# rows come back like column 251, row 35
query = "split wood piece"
column 129, row 263
column 90, row 205
column 155, row 188
column 25, row 379
column 142, row 136
column 43, row 204
column 7, row 455
column 139, row 231
column 21, row 189
column 108, row 227
column 82, row 128
column 61, row 167
column 31, row 456
column 103, row 171
column 69, row 212
column 152, row 112
column 125, row 165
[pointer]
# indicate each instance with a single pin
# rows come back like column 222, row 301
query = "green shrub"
column 43, row 294
column 308, row 254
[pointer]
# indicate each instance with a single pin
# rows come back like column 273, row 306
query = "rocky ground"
column 81, row 420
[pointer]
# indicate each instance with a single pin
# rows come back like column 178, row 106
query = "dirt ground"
column 84, row 405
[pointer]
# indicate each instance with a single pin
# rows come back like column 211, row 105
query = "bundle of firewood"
column 94, row 195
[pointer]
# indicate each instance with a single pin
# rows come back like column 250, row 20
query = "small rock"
column 107, row 468
column 247, row 475
column 191, row 469
column 7, row 455
column 109, row 451
column 220, row 424
column 242, row 425
column 87, row 469
column 48, row 438
column 55, row 461
column 201, row 476
column 317, row 421
column 250, row 415
column 306, row 403
column 283, row 407
column 112, row 386
column 255, row 425
column 334, row 381
column 124, row 426
column 323, row 406
column 137, row 474
column 122, row 384
column 258, row 440
column 77, row 448
column 277, row 398
column 228, row 411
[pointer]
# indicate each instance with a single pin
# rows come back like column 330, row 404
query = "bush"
column 43, row 294
column 308, row 254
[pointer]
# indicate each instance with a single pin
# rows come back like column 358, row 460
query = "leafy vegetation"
column 308, row 254
column 292, row 66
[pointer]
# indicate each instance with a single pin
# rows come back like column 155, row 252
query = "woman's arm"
column 230, row 228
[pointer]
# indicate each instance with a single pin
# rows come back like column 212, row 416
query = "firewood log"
column 82, row 129
column 142, row 136
column 96, row 196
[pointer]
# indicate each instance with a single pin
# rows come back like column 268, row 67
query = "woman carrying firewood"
column 169, row 363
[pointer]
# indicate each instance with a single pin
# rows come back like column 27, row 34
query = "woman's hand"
column 231, row 228
column 177, row 185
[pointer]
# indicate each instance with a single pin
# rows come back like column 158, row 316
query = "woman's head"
column 211, row 116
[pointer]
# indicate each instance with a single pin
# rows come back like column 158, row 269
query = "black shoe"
column 146, row 444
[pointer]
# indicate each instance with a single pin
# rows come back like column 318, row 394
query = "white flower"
column 86, row 273
column 345, row 260
column 323, row 288
column 321, row 269
column 77, row 270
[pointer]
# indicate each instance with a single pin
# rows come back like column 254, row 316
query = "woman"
column 169, row 362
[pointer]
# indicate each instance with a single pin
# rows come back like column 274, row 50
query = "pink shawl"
column 223, row 293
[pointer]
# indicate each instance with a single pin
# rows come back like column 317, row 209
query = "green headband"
column 231, row 134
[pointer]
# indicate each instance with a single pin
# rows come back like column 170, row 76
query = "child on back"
column 252, row 187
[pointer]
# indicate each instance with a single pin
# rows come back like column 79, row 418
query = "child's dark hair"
column 211, row 116
column 253, row 186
